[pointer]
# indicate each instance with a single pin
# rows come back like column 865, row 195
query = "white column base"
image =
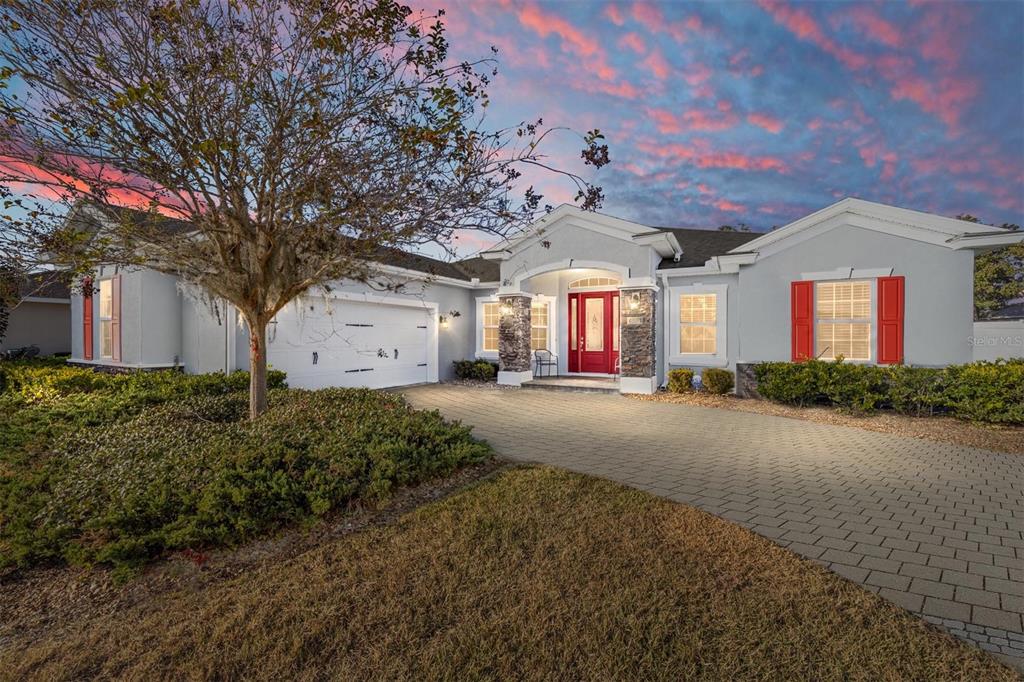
column 514, row 378
column 645, row 385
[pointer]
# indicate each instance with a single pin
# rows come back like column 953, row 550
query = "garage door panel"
column 356, row 344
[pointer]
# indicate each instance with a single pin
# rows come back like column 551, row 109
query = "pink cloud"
column 649, row 16
column 709, row 119
column 697, row 74
column 546, row 23
column 705, row 189
column 700, row 154
column 726, row 205
column 614, row 15
column 665, row 121
column 657, row 65
column 814, row 124
column 634, row 42
column 803, row 25
column 769, row 123
column 873, row 26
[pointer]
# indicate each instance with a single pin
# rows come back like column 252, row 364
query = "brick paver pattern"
column 935, row 528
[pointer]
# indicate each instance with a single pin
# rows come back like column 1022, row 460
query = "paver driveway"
column 934, row 528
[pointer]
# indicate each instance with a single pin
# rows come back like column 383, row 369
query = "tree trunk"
column 257, row 365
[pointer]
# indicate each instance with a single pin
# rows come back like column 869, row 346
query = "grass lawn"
column 534, row 574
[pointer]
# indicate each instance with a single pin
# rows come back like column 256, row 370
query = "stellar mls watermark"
column 1007, row 340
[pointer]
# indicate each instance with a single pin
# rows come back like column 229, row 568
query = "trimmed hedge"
column 718, row 381
column 197, row 473
column 680, row 380
column 478, row 370
column 980, row 391
column 49, row 380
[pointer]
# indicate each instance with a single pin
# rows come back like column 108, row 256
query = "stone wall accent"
column 514, row 334
column 637, row 357
column 746, row 381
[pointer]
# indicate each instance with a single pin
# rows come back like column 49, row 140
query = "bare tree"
column 295, row 138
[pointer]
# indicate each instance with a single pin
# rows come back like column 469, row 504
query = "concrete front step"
column 574, row 384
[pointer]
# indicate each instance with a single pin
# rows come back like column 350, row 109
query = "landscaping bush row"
column 38, row 380
column 712, row 379
column 478, row 370
column 196, row 473
column 979, row 391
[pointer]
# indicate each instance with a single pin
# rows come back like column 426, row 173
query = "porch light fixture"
column 634, row 300
column 443, row 320
column 506, row 308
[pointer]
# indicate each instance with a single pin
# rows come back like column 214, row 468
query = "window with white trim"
column 106, row 319
column 490, row 317
column 695, row 330
column 842, row 320
column 539, row 323
column 698, row 324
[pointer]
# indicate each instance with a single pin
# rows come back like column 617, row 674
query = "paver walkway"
column 934, row 528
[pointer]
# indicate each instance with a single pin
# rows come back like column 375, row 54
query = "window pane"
column 573, row 324
column 491, row 338
column 539, row 314
column 843, row 300
column 106, row 339
column 850, row 340
column 698, row 307
column 615, row 323
column 538, row 338
column 593, row 311
column 106, row 299
column 492, row 314
column 694, row 338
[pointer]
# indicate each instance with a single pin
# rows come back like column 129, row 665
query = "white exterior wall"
column 46, row 325
column 997, row 339
column 939, row 312
column 574, row 246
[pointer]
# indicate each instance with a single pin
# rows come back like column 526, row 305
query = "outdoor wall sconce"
column 443, row 319
column 506, row 309
column 634, row 300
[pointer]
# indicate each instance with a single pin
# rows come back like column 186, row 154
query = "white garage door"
column 350, row 344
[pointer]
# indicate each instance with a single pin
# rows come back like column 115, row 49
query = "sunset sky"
column 761, row 112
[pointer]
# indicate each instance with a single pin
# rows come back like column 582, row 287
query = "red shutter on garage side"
column 115, row 318
column 802, row 311
column 87, row 319
column 890, row 320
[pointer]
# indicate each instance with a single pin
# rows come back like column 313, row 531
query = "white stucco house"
column 608, row 297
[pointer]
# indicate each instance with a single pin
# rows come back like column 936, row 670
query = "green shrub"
column 196, row 473
column 916, row 391
column 718, row 381
column 980, row 391
column 986, row 391
column 680, row 380
column 49, row 380
column 477, row 370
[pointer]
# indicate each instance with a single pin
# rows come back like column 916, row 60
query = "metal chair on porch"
column 544, row 359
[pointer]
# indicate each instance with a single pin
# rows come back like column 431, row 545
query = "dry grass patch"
column 535, row 574
column 998, row 437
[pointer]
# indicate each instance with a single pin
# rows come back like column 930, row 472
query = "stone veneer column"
column 637, row 355
column 514, row 340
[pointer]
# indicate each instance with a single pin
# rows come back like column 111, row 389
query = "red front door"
column 594, row 332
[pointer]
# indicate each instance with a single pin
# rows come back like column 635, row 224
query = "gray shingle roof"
column 699, row 245
column 47, row 284
column 465, row 270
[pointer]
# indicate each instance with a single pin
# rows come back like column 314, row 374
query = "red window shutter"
column 890, row 320
column 115, row 318
column 802, row 311
column 87, row 319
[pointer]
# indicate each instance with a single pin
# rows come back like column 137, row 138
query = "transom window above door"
column 842, row 326
column 587, row 282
